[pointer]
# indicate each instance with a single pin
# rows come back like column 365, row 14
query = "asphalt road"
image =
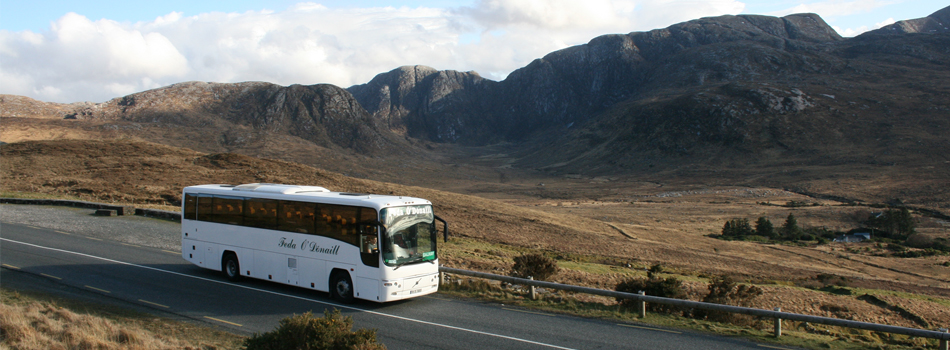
column 156, row 278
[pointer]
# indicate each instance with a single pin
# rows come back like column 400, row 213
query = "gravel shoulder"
column 138, row 230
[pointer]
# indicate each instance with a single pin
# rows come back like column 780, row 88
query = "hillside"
column 730, row 100
column 611, row 156
column 753, row 100
column 598, row 243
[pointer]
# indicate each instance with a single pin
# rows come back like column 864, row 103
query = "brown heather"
column 596, row 242
column 38, row 325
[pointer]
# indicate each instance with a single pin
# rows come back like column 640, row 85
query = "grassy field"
column 43, row 321
column 601, row 231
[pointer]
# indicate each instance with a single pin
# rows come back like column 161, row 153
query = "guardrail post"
column 642, row 305
column 534, row 295
column 441, row 278
column 778, row 324
column 944, row 342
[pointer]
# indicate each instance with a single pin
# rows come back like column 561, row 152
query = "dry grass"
column 28, row 322
column 595, row 228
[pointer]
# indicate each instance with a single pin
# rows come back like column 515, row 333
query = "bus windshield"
column 410, row 235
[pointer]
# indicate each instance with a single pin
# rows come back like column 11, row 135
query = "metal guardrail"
column 943, row 336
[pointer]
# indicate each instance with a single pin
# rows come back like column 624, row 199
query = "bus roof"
column 306, row 193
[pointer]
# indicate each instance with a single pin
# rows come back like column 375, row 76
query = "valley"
column 611, row 157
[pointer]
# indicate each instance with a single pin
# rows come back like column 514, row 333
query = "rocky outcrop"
column 573, row 85
column 323, row 114
column 938, row 22
column 740, row 84
column 425, row 103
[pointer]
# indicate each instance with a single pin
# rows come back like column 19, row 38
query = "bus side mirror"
column 445, row 228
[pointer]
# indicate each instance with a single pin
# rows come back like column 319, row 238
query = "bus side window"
column 291, row 217
column 190, row 211
column 258, row 213
column 228, row 210
column 204, row 211
column 321, row 225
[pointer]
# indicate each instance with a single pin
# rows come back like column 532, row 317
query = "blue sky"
column 36, row 15
column 70, row 51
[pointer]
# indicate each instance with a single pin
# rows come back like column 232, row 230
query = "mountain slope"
column 236, row 115
column 756, row 87
column 758, row 98
column 937, row 22
column 574, row 84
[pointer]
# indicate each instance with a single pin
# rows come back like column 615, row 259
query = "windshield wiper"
column 417, row 259
column 402, row 264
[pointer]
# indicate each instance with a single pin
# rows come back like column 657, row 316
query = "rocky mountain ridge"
column 574, row 84
column 938, row 22
column 746, row 87
column 713, row 89
column 236, row 114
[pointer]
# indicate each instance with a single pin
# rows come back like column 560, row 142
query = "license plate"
column 414, row 291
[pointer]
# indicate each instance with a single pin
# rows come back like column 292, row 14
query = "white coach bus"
column 367, row 246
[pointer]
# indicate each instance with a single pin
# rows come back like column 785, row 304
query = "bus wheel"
column 231, row 267
column 341, row 287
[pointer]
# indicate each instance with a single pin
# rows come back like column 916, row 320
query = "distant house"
column 854, row 237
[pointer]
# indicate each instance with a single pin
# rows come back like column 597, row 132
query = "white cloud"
column 78, row 59
column 836, row 8
column 81, row 59
column 830, row 10
column 853, row 32
column 886, row 22
column 850, row 32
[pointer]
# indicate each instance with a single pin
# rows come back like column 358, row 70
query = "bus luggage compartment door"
column 367, row 288
column 292, row 271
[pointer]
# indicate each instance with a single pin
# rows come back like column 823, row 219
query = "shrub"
column 923, row 241
column 305, row 332
column 797, row 204
column 821, row 232
column 534, row 265
column 827, row 279
column 918, row 253
column 654, row 271
column 896, row 247
column 724, row 290
column 668, row 288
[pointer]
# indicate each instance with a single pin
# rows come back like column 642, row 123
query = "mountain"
column 242, row 113
column 750, row 87
column 938, row 22
column 758, row 100
column 426, row 103
column 574, row 84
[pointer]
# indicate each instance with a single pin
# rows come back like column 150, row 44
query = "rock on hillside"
column 422, row 102
column 938, row 22
column 574, row 84
column 743, row 85
column 748, row 87
column 323, row 114
column 14, row 106
column 874, row 100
